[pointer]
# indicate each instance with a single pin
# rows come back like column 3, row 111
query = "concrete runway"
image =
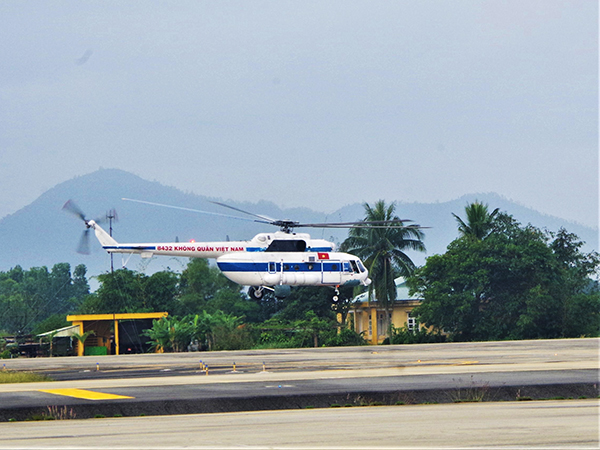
column 297, row 378
column 506, row 354
column 547, row 424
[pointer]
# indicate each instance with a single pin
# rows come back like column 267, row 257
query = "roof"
column 402, row 293
column 118, row 316
column 62, row 332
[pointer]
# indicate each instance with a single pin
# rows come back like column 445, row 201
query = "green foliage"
column 516, row 283
column 403, row 335
column 218, row 331
column 313, row 329
column 346, row 337
column 9, row 376
column 479, row 221
column 383, row 250
column 227, row 332
column 309, row 331
column 302, row 299
column 170, row 334
column 53, row 322
column 204, row 288
column 28, row 297
column 83, row 337
column 126, row 291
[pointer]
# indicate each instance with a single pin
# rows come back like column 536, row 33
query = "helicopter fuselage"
column 293, row 269
column 268, row 259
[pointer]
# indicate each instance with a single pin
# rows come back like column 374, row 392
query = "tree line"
column 498, row 280
column 205, row 308
column 502, row 280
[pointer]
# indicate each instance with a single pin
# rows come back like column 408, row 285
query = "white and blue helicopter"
column 269, row 261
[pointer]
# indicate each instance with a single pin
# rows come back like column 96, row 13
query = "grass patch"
column 9, row 376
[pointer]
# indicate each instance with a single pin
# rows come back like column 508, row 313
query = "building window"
column 411, row 323
column 358, row 321
column 381, row 324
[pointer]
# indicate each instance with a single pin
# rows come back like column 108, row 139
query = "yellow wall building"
column 369, row 316
column 105, row 327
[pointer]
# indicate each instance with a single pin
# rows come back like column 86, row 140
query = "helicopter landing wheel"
column 336, row 296
column 255, row 293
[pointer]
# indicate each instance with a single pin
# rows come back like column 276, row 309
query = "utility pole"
column 111, row 215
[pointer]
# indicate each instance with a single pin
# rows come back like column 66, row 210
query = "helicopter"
column 273, row 261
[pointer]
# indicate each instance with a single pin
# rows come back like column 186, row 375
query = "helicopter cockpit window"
column 347, row 267
column 354, row 266
column 287, row 246
column 360, row 265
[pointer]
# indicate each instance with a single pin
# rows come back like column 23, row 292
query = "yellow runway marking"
column 83, row 393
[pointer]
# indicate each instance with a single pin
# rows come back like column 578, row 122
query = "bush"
column 346, row 337
column 403, row 335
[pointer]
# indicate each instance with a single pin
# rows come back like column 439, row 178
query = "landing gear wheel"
column 336, row 296
column 255, row 293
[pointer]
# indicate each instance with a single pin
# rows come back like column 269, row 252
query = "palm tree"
column 382, row 249
column 81, row 338
column 479, row 220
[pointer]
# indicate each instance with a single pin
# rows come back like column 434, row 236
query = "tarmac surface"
column 158, row 384
column 537, row 424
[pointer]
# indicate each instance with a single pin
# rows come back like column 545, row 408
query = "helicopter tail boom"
column 105, row 239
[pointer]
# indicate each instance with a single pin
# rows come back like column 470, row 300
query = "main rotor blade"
column 363, row 224
column 245, row 212
column 195, row 210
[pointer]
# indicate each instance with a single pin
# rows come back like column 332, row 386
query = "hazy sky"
column 306, row 103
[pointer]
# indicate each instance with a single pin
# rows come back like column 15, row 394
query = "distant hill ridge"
column 41, row 234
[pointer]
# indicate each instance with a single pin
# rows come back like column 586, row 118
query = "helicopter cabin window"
column 286, row 245
column 347, row 267
column 272, row 267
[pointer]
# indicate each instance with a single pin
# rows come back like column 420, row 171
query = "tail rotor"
column 84, row 242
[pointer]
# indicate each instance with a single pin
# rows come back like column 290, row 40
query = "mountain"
column 42, row 234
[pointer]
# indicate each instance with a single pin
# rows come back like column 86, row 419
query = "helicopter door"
column 331, row 272
column 273, row 276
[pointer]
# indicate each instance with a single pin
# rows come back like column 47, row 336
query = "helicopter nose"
column 367, row 282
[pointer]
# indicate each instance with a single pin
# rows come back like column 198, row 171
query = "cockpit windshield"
column 360, row 265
